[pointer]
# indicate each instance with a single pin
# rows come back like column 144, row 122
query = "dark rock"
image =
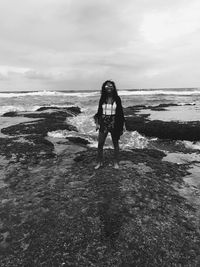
column 75, row 110
column 55, row 112
column 174, row 130
column 51, row 121
column 81, row 217
column 78, row 140
column 133, row 110
column 161, row 107
column 46, row 108
column 10, row 114
column 167, row 105
column 33, row 141
column 41, row 127
column 51, row 215
column 30, row 147
column 158, row 109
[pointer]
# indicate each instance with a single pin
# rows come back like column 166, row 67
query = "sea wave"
column 85, row 125
column 19, row 108
column 27, row 108
column 129, row 140
column 47, row 93
column 191, row 145
column 166, row 91
column 159, row 92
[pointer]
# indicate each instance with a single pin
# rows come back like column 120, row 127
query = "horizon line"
column 91, row 90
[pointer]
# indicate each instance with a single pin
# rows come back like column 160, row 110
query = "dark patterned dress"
column 111, row 123
column 107, row 123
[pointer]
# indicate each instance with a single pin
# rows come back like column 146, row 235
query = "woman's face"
column 109, row 88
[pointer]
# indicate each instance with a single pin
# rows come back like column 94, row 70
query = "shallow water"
column 194, row 177
column 191, row 187
column 174, row 113
column 182, row 158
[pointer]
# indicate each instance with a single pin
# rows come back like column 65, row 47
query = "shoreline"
column 56, row 210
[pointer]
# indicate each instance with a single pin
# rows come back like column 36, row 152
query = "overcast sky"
column 77, row 44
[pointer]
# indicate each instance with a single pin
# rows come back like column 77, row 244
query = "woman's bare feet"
column 116, row 166
column 99, row 164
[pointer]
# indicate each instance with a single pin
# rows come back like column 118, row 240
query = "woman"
column 109, row 118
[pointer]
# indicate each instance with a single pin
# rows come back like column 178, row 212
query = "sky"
column 78, row 44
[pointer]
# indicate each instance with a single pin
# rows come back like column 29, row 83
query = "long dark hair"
column 104, row 93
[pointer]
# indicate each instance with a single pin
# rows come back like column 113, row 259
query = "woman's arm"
column 98, row 115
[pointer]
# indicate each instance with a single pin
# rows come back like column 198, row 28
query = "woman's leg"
column 115, row 141
column 101, row 142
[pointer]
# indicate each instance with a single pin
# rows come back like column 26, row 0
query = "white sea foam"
column 86, row 129
column 84, row 122
column 85, row 125
column 181, row 158
column 159, row 92
column 185, row 104
column 66, row 133
column 192, row 145
column 184, row 91
column 29, row 108
column 47, row 93
column 19, row 108
column 131, row 140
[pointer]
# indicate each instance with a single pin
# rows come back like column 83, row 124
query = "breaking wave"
column 86, row 130
column 28, row 108
column 18, row 108
column 166, row 91
column 47, row 93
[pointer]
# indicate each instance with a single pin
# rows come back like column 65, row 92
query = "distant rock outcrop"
column 174, row 130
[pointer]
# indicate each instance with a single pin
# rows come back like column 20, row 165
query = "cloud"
column 171, row 25
column 61, row 43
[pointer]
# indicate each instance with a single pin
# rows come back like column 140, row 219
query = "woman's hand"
column 124, row 128
column 97, row 126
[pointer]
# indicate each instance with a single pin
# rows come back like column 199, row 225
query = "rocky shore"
column 173, row 130
column 56, row 210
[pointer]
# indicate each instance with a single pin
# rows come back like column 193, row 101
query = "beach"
column 57, row 210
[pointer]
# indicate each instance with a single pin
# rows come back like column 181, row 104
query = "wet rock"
column 75, row 110
column 33, row 143
column 134, row 109
column 47, row 108
column 78, row 140
column 77, row 216
column 48, row 121
column 174, row 130
column 157, row 108
column 10, row 114
column 41, row 127
column 59, row 211
column 16, row 151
